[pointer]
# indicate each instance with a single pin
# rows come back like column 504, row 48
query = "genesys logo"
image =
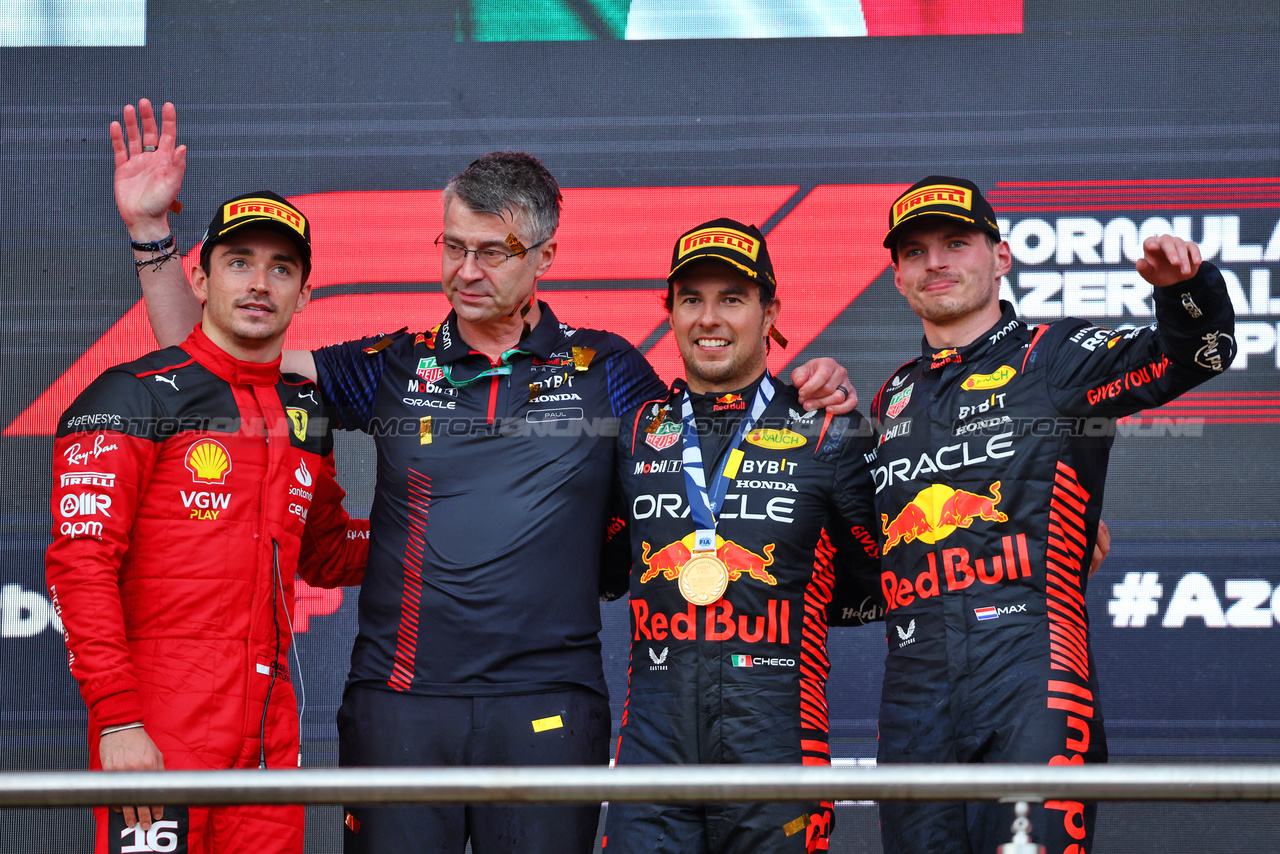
column 1148, row 600
column 1074, row 244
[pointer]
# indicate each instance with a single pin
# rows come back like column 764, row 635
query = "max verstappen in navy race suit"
column 734, row 669
column 989, row 481
column 189, row 485
column 495, row 435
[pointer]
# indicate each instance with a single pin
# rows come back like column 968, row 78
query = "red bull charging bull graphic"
column 937, row 511
column 720, row 622
column 933, row 515
column 670, row 559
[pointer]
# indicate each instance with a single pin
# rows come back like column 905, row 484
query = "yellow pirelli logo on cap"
column 544, row 724
column 264, row 208
column 935, row 194
column 744, row 243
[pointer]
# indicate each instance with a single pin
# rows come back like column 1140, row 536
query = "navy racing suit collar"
column 935, row 358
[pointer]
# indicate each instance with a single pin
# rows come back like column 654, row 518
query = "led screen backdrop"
column 1090, row 125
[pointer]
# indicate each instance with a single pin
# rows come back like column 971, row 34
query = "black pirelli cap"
column 939, row 195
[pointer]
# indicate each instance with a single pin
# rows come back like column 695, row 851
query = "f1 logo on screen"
column 615, row 244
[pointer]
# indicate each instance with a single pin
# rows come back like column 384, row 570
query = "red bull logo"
column 728, row 401
column 670, row 559
column 944, row 357
column 718, row 623
column 959, row 571
column 937, row 511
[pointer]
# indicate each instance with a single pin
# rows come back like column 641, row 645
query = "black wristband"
column 162, row 245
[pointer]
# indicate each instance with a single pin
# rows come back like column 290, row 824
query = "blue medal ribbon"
column 705, row 505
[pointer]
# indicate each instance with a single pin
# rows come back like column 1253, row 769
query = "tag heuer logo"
column 428, row 371
column 899, row 401
column 665, row 436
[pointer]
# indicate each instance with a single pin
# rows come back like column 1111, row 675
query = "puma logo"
column 173, row 382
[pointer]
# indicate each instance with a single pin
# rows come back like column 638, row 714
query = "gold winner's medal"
column 704, row 578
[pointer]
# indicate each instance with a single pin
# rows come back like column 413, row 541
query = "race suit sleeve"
column 615, row 553
column 857, row 599
column 334, row 546
column 348, row 376
column 631, row 379
column 104, row 453
column 631, row 382
column 1100, row 372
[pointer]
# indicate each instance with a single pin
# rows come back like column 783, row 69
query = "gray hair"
column 510, row 183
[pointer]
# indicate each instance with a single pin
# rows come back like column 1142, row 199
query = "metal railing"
column 661, row 784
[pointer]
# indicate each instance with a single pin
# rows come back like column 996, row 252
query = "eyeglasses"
column 491, row 257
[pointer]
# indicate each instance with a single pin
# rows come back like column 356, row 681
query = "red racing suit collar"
column 228, row 367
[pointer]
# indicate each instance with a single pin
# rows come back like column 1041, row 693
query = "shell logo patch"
column 208, row 461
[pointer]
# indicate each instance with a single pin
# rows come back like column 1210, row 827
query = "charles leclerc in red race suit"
column 178, row 524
